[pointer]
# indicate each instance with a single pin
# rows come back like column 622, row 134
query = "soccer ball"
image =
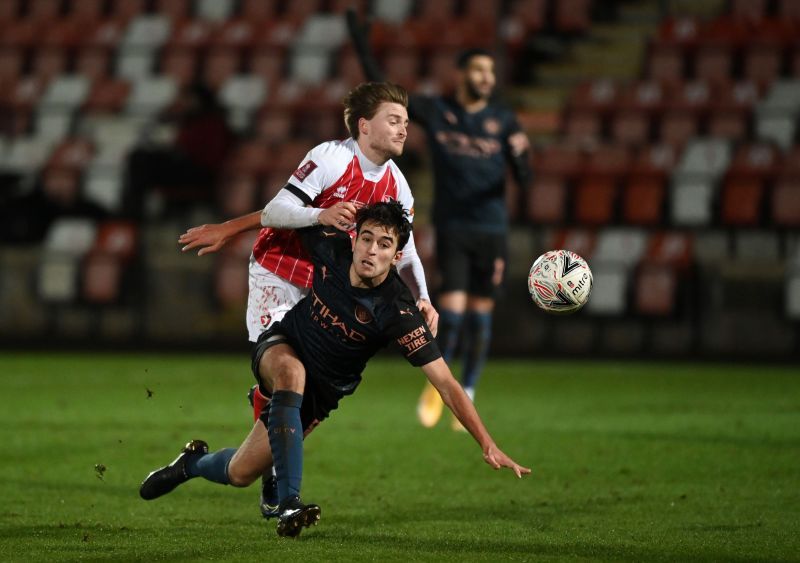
column 560, row 282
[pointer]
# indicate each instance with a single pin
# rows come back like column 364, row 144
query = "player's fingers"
column 491, row 461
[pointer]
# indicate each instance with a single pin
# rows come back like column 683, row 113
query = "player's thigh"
column 452, row 259
column 487, row 266
column 269, row 298
column 252, row 457
column 281, row 370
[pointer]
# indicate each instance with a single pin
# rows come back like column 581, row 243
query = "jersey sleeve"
column 409, row 330
column 321, row 167
column 404, row 195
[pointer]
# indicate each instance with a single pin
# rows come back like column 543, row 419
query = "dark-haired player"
column 472, row 139
column 314, row 356
column 331, row 182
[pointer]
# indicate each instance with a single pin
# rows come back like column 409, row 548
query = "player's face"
column 374, row 253
column 387, row 130
column 478, row 77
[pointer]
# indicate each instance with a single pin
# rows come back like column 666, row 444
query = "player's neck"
column 468, row 102
column 366, row 283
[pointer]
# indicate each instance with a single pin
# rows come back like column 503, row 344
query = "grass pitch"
column 631, row 462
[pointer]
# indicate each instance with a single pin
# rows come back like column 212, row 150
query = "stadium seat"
column 57, row 278
column 47, row 63
column 230, row 281
column 643, row 200
column 257, row 10
column 677, row 128
column 65, row 92
column 713, row 64
column 273, row 127
column 608, row 160
column 757, row 247
column 107, row 96
column 71, row 153
column 739, row 96
column 214, row 10
column 581, row 241
column 595, row 199
column 117, row 238
column 785, row 204
column 93, row 63
column 238, row 195
column 673, row 248
column 251, row 158
column 711, row 247
column 729, row 125
column 220, row 65
column 70, row 237
column 242, row 95
column 680, row 31
column 151, row 95
column 597, row 96
column 762, row 64
column 547, row 200
column 103, row 186
column 705, row 158
column 609, row 289
column 101, row 279
column 655, row 290
column 147, row 31
column 571, row 16
column 195, row 34
column 666, row 64
column 691, row 199
column 630, row 127
column 126, row 10
column 566, row 161
column 582, row 127
column 742, row 199
column 267, row 63
column 620, row 245
column 760, row 160
column 180, row 64
column 27, row 154
column 60, row 186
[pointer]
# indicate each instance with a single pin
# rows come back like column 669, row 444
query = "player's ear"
column 363, row 126
column 397, row 256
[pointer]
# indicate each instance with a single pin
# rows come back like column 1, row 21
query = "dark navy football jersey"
column 470, row 152
column 336, row 328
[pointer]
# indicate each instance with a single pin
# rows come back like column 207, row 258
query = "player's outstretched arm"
column 453, row 395
column 210, row 238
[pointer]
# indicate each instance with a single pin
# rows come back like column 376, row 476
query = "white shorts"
column 270, row 297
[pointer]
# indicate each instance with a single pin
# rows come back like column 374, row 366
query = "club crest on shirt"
column 340, row 192
column 303, row 172
column 363, row 315
column 491, row 126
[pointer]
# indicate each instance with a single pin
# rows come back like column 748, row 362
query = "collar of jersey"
column 369, row 168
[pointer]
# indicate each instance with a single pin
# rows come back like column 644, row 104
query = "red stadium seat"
column 9, row 10
column 73, row 153
column 655, row 290
column 48, row 63
column 582, row 127
column 643, row 200
column 729, row 125
column 402, row 66
column 11, row 64
column 180, row 64
column 230, row 281
column 249, row 158
column 267, row 63
column 742, row 198
column 237, row 195
column 595, row 198
column 748, row 10
column 191, row 34
column 713, row 64
column 597, row 96
column 125, row 10
column 238, row 33
column 117, row 238
column 273, row 127
column 565, row 161
column 298, row 11
column 107, row 96
column 581, row 241
column 683, row 31
column 678, row 127
column 655, row 160
column 631, row 127
column 572, row 16
column 101, row 279
column 786, row 202
column 666, row 64
column 175, row 10
column 673, row 248
column 738, row 96
column 760, row 160
column 762, row 64
column 547, row 200
column 43, row 10
column 219, row 66
column 93, row 62
column 258, row 10
column 608, row 160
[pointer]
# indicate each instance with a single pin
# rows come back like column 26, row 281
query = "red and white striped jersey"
column 331, row 172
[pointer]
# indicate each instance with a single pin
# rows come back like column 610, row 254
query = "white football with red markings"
column 560, row 282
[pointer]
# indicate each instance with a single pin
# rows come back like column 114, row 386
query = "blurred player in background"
column 315, row 355
column 472, row 139
column 333, row 180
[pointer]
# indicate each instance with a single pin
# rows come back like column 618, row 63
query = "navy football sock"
column 286, row 440
column 213, row 466
column 449, row 327
column 478, row 333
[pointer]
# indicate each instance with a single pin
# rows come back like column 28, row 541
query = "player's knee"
column 285, row 372
column 239, row 476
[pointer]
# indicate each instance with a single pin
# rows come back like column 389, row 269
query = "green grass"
column 631, row 462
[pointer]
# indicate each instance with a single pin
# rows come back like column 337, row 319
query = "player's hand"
column 341, row 215
column 209, row 238
column 495, row 457
column 430, row 314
